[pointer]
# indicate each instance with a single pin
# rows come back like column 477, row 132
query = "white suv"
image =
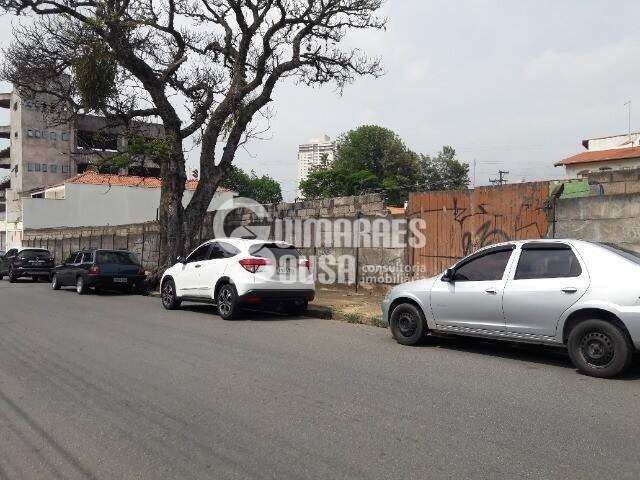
column 233, row 273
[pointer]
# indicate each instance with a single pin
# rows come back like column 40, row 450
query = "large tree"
column 206, row 68
column 443, row 172
column 368, row 159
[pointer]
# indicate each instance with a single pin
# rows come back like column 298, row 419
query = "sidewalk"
column 343, row 303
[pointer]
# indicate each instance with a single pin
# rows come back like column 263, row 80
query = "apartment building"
column 311, row 154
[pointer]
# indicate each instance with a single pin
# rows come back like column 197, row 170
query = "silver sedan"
column 580, row 294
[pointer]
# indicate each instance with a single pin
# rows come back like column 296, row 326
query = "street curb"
column 314, row 311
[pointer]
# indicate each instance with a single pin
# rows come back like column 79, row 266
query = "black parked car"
column 100, row 269
column 26, row 262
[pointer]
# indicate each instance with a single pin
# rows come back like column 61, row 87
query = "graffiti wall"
column 458, row 223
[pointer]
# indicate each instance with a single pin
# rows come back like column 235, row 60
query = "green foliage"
column 262, row 189
column 368, row 159
column 374, row 159
column 138, row 149
column 94, row 75
column 444, row 172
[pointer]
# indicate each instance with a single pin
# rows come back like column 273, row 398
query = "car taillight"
column 253, row 264
column 94, row 270
column 305, row 262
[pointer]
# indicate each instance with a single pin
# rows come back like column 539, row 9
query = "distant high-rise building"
column 310, row 155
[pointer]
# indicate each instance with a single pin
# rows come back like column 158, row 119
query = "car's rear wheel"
column 12, row 276
column 55, row 283
column 407, row 324
column 81, row 285
column 298, row 307
column 599, row 348
column 227, row 301
column 170, row 299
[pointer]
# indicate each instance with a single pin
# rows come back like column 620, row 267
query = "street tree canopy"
column 263, row 189
column 205, row 68
column 374, row 159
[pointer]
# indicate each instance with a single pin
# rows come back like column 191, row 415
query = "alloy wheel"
column 225, row 301
column 168, row 294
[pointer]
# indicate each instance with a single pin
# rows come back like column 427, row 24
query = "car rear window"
column 274, row 250
column 623, row 252
column 115, row 258
column 34, row 254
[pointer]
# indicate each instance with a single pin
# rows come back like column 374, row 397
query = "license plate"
column 119, row 280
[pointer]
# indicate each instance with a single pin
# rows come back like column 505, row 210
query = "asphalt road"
column 108, row 387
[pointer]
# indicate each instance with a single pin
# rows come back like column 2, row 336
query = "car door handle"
column 569, row 289
column 491, row 291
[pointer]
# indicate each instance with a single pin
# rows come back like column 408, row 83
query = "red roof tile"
column 94, row 178
column 601, row 156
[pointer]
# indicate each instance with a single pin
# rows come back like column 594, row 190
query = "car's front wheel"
column 12, row 276
column 81, row 285
column 55, row 283
column 407, row 324
column 170, row 299
column 227, row 301
column 599, row 348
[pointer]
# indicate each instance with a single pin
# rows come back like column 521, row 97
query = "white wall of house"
column 577, row 169
column 617, row 141
column 99, row 205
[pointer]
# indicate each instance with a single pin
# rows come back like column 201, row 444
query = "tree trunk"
column 171, row 214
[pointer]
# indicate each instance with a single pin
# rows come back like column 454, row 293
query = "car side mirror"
column 449, row 276
column 181, row 259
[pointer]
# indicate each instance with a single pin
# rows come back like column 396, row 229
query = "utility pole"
column 501, row 180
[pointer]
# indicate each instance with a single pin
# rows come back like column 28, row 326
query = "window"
column 222, row 250
column 44, row 167
column 29, row 167
column 547, row 261
column 54, row 136
column 72, row 258
column 29, row 132
column 53, row 168
column 64, row 136
column 36, row 166
column 115, row 258
column 15, row 134
column 87, row 257
column 36, row 133
column 484, row 268
column 200, row 254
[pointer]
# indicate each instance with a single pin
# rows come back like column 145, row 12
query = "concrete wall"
column 614, row 219
column 360, row 260
column 99, row 205
column 617, row 141
column 614, row 183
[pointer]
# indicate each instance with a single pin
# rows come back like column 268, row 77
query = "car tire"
column 12, row 277
column 170, row 300
column 599, row 348
column 227, row 302
column 408, row 325
column 298, row 308
column 81, row 285
column 55, row 284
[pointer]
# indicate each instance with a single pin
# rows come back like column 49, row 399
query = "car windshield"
column 29, row 254
column 274, row 250
column 115, row 258
column 623, row 252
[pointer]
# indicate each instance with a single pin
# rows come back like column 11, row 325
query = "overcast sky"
column 515, row 85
